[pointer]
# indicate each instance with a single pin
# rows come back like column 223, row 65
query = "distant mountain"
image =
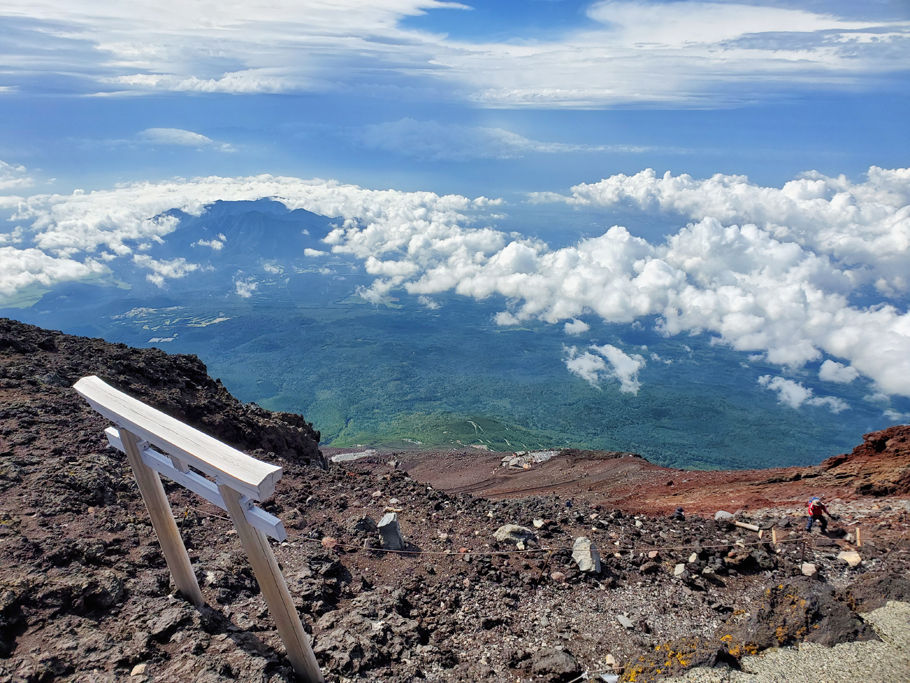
column 244, row 234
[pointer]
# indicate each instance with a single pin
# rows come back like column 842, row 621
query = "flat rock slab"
column 851, row 557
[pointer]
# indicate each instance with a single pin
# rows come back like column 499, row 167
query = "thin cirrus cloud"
column 750, row 267
column 707, row 53
column 178, row 137
column 436, row 141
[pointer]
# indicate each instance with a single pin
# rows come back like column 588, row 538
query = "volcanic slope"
column 85, row 593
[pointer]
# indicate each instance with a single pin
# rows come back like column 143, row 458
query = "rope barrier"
column 544, row 549
column 809, row 544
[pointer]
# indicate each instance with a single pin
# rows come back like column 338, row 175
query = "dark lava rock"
column 175, row 384
column 799, row 610
column 871, row 591
column 675, row 657
column 556, row 665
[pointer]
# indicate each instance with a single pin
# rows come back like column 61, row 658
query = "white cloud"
column 794, row 394
column 454, row 142
column 575, row 326
column 314, row 253
column 765, row 275
column 625, row 367
column 163, row 270
column 861, row 226
column 22, row 268
column 428, row 303
column 14, row 177
column 590, row 367
column 832, row 371
column 181, row 138
column 705, row 52
column 213, row 244
column 247, row 82
column 599, row 363
column 14, row 237
column 897, row 417
column 245, row 286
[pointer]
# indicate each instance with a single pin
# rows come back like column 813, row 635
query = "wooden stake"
column 773, row 536
column 274, row 589
column 744, row 525
column 859, row 538
column 178, row 561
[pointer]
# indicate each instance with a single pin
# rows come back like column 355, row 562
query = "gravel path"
column 872, row 662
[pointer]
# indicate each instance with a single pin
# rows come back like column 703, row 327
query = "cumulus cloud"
column 864, row 227
column 454, row 142
column 574, row 327
column 756, row 276
column 14, row 177
column 832, row 371
column 705, row 52
column 181, row 138
column 599, row 363
column 245, row 286
column 794, row 394
column 22, row 268
column 163, row 270
column 428, row 303
column 215, row 244
column 589, row 366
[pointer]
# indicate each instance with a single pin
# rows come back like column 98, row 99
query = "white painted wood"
column 256, row 516
column 178, row 561
column 274, row 589
column 745, row 525
column 226, row 465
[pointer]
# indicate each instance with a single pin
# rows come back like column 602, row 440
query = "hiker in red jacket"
column 817, row 511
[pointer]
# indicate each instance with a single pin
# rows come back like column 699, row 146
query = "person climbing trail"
column 816, row 513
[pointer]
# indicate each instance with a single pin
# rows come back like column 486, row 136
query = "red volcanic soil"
column 880, row 466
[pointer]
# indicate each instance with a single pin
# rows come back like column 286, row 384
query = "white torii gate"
column 236, row 481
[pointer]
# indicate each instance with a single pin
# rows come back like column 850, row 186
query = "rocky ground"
column 85, row 594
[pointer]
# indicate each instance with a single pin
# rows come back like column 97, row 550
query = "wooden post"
column 178, row 561
column 773, row 536
column 859, row 538
column 745, row 525
column 274, row 589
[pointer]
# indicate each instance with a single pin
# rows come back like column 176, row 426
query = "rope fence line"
column 544, row 549
column 809, row 544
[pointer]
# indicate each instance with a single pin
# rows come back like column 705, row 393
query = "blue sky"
column 477, row 98
column 775, row 217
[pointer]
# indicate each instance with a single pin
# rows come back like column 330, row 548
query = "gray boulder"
column 391, row 532
column 555, row 665
column 585, row 555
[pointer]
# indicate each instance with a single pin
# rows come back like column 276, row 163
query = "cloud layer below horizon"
column 813, row 272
